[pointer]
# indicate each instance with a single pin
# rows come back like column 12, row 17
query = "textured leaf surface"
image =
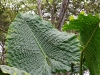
column 6, row 70
column 35, row 46
column 89, row 28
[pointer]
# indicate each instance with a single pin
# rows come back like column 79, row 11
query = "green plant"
column 89, row 29
column 35, row 46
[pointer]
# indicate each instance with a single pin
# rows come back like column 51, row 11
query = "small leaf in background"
column 82, row 12
column 71, row 18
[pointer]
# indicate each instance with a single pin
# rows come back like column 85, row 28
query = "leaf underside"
column 35, row 46
column 6, row 70
column 89, row 28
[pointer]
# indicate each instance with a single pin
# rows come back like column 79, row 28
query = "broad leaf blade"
column 35, row 46
column 6, row 70
column 89, row 29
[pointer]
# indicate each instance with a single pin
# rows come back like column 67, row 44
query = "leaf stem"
column 81, row 61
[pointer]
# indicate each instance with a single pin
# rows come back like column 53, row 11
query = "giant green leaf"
column 35, row 46
column 89, row 28
column 6, row 70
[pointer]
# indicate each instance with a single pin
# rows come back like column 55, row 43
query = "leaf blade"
column 29, row 36
column 89, row 29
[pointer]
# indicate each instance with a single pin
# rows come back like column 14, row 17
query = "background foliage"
column 9, row 9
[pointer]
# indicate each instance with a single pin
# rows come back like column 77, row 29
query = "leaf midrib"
column 90, row 39
column 81, row 57
column 45, row 56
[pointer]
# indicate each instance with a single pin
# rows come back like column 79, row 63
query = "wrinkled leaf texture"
column 89, row 28
column 6, row 70
column 35, row 46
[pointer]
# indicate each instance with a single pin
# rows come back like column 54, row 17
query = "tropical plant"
column 35, row 46
column 89, row 28
column 9, row 9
